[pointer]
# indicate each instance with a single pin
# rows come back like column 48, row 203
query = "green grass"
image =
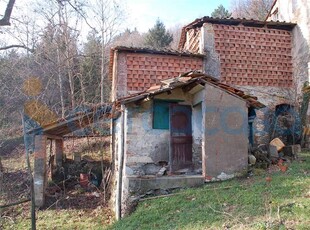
column 244, row 203
column 249, row 203
column 62, row 219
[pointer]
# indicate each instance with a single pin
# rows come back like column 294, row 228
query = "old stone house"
column 180, row 133
column 253, row 57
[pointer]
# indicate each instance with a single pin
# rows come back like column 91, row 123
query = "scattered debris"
column 282, row 166
column 84, row 180
column 161, row 172
column 252, row 159
column 275, row 153
column 278, row 143
column 96, row 194
column 224, row 176
column 262, row 156
column 151, row 169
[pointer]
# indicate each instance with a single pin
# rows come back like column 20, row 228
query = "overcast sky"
column 143, row 13
column 140, row 14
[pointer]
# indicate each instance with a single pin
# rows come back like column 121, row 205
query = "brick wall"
column 146, row 70
column 254, row 56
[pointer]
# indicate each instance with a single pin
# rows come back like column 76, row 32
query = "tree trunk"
column 68, row 58
column 82, row 88
column 102, row 60
column 62, row 102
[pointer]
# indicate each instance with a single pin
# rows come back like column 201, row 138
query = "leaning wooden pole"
column 33, row 208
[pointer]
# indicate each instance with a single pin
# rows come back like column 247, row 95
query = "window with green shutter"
column 160, row 114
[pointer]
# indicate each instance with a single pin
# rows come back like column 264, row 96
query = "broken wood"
column 278, row 143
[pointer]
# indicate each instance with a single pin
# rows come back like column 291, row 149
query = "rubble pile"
column 276, row 152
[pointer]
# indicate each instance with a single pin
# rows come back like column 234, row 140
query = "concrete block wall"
column 256, row 60
column 296, row 11
column 254, row 56
column 136, row 72
column 146, row 70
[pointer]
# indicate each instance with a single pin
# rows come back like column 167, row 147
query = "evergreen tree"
column 220, row 12
column 157, row 37
column 90, row 65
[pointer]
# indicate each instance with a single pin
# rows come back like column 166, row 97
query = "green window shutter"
column 160, row 115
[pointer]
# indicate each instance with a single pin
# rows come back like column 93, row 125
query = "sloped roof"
column 71, row 123
column 233, row 21
column 186, row 79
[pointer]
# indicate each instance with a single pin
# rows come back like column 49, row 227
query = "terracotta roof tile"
column 186, row 79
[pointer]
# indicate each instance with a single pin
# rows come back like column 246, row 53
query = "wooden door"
column 180, row 137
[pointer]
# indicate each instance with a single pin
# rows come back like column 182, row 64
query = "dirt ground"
column 65, row 192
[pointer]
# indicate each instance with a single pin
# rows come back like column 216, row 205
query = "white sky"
column 143, row 13
column 140, row 14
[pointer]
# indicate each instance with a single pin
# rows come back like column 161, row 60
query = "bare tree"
column 108, row 16
column 251, row 9
column 18, row 31
column 58, row 48
column 176, row 33
column 130, row 38
column 5, row 20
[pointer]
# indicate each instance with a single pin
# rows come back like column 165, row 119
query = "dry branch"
column 15, row 203
column 16, row 46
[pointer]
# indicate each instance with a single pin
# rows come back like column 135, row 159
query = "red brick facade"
column 254, row 56
column 146, row 70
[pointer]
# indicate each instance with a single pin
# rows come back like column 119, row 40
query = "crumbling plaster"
column 297, row 11
column 145, row 145
column 268, row 95
column 225, row 135
column 212, row 64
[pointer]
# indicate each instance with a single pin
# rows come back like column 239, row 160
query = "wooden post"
column 59, row 151
column 40, row 176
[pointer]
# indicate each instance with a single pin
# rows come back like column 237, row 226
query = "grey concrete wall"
column 119, row 81
column 271, row 97
column 117, row 155
column 225, row 133
column 197, row 128
column 197, row 135
column 145, row 145
column 212, row 65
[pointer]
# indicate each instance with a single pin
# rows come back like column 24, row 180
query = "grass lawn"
column 245, row 203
